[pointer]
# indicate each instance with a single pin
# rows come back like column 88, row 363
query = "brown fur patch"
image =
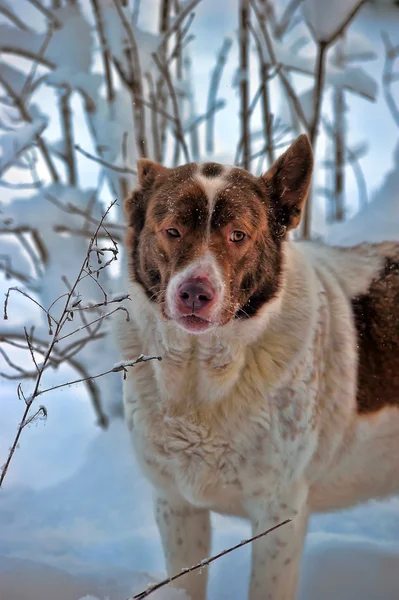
column 211, row 170
column 377, row 322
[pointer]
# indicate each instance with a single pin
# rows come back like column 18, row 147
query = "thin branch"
column 244, row 18
column 164, row 16
column 264, row 79
column 339, row 141
column 314, row 125
column 47, row 13
column 175, row 26
column 63, row 229
column 5, row 266
column 26, row 53
column 164, row 70
column 11, row 364
column 219, row 105
column 104, row 163
column 283, row 78
column 65, row 356
column 31, row 253
column 13, row 17
column 286, row 18
column 106, row 54
column 391, row 54
column 123, row 366
column 213, row 91
column 17, row 289
column 345, row 23
column 136, row 84
column 29, row 80
column 154, row 119
column 27, row 117
column 29, row 344
column 206, row 562
column 67, row 130
column 353, row 162
column 55, row 337
column 100, row 318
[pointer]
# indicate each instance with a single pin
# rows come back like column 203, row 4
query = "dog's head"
column 205, row 241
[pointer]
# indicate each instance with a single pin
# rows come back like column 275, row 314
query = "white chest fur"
column 235, row 412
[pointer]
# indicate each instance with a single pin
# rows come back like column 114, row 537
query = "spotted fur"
column 287, row 403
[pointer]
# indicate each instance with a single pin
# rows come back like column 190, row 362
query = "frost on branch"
column 328, row 19
column 59, row 329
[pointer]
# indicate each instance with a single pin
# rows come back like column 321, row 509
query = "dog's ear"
column 148, row 171
column 288, row 182
column 134, row 205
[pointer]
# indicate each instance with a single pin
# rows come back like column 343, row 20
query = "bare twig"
column 244, row 17
column 154, row 119
column 6, row 267
column 164, row 70
column 13, row 17
column 391, row 54
column 353, row 161
column 213, row 91
column 56, row 336
column 205, row 563
column 104, row 163
column 47, row 13
column 314, row 125
column 66, row 356
column 123, row 366
column 136, row 84
column 345, row 23
column 266, row 114
column 283, row 78
column 63, row 229
column 286, row 18
column 106, row 54
column 66, row 123
column 29, row 80
column 174, row 26
column 339, row 141
column 27, row 117
column 164, row 15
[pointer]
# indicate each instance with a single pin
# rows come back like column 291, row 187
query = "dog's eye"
column 174, row 233
column 237, row 236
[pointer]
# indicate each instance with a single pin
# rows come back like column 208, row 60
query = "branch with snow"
column 71, row 304
column 389, row 77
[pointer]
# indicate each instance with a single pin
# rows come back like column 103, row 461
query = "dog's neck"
column 213, row 362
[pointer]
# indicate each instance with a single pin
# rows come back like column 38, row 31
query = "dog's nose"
column 196, row 294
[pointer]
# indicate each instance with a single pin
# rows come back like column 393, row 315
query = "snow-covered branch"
column 70, row 304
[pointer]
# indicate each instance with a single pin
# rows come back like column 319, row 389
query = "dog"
column 278, row 391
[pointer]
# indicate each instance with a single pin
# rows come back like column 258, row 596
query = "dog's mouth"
column 194, row 324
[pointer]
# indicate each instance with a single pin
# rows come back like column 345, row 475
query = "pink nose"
column 196, row 294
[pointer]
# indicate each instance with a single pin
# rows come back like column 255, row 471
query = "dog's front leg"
column 185, row 533
column 276, row 557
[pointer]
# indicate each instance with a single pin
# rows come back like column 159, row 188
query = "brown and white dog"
column 278, row 392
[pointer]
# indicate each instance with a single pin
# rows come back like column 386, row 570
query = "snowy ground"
column 75, row 512
column 91, row 531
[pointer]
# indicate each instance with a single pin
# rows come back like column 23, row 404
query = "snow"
column 325, row 18
column 377, row 221
column 12, row 143
column 15, row 78
column 92, row 531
